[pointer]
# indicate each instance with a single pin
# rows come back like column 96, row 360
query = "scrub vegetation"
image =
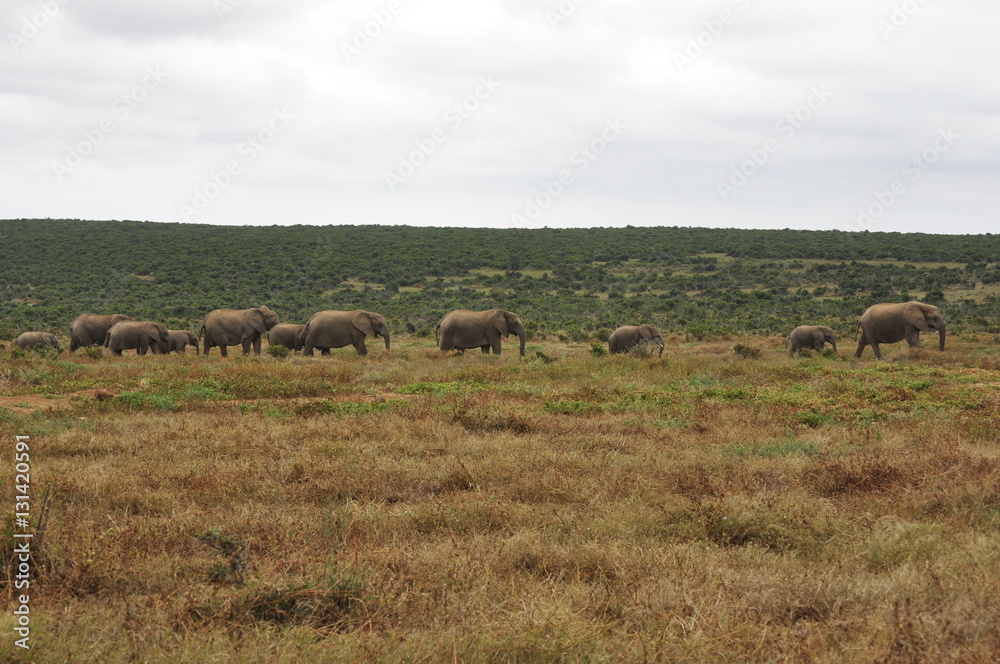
column 723, row 502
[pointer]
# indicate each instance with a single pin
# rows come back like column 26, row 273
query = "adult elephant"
column 629, row 336
column 141, row 336
column 810, row 336
column 462, row 329
column 889, row 323
column 285, row 334
column 92, row 329
column 336, row 329
column 231, row 327
column 180, row 340
column 32, row 339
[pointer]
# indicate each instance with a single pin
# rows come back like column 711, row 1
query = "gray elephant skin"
column 180, row 340
column 889, row 323
column 141, row 336
column 462, row 329
column 92, row 329
column 629, row 336
column 232, row 327
column 32, row 339
column 810, row 336
column 336, row 329
column 285, row 334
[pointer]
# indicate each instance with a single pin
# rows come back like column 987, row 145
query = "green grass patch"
column 436, row 389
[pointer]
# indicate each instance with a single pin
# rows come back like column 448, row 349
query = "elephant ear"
column 819, row 336
column 500, row 322
column 914, row 315
column 256, row 320
column 363, row 322
column 646, row 332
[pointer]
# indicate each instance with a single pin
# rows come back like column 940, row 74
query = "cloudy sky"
column 850, row 114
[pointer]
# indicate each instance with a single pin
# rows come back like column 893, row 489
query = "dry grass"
column 424, row 506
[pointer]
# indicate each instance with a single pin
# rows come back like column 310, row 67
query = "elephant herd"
column 459, row 330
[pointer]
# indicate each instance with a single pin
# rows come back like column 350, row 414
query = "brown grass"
column 423, row 506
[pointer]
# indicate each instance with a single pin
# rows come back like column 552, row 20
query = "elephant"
column 180, row 340
column 140, row 335
column 810, row 336
column 889, row 323
column 285, row 334
column 30, row 339
column 629, row 336
column 463, row 329
column 92, row 329
column 336, row 329
column 231, row 327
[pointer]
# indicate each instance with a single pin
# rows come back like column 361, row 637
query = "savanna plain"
column 722, row 503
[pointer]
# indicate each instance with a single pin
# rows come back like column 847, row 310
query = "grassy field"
column 416, row 506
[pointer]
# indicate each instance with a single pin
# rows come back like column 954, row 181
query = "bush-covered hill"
column 562, row 281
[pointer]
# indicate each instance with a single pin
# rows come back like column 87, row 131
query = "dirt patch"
column 22, row 404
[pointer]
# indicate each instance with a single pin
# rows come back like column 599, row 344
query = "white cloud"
column 560, row 80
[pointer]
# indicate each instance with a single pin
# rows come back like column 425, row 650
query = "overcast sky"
column 846, row 114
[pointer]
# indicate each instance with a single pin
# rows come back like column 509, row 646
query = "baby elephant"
column 31, row 339
column 180, row 340
column 628, row 336
column 810, row 336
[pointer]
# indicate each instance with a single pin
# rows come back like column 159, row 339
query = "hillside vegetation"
column 578, row 283
column 725, row 502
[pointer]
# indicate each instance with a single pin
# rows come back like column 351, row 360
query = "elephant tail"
column 437, row 333
column 858, row 327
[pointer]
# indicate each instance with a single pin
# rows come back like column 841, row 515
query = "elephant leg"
column 224, row 350
column 496, row 347
column 256, row 345
column 914, row 339
column 485, row 349
column 878, row 352
column 361, row 347
column 862, row 342
column 245, row 343
column 324, row 351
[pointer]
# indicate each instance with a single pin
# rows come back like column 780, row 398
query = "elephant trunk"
column 941, row 333
column 522, row 335
column 386, row 337
column 834, row 344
